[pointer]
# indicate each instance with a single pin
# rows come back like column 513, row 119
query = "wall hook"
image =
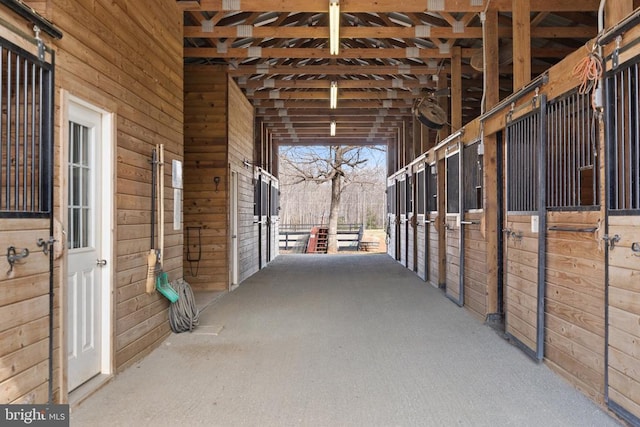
column 216, row 181
column 13, row 256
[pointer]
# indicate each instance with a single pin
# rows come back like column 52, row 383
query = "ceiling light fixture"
column 333, row 99
column 334, row 27
column 332, row 129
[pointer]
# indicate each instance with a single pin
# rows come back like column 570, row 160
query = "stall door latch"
column 611, row 240
column 635, row 247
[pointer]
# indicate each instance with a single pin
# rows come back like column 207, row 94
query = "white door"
column 233, row 282
column 85, row 259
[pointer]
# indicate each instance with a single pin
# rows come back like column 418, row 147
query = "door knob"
column 101, row 262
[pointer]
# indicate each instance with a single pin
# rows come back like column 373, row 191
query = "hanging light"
column 334, row 26
column 332, row 129
column 333, row 102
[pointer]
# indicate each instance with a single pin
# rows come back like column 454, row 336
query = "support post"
column 521, row 43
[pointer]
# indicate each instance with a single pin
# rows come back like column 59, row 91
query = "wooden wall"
column 104, row 58
column 205, row 155
column 241, row 148
column 219, row 136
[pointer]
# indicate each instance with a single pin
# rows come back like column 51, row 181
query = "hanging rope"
column 588, row 71
column 183, row 314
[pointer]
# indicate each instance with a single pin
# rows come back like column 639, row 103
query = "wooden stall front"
column 550, row 232
column 111, row 104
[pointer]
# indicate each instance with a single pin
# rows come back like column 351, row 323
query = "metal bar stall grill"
column 525, row 158
column 624, row 140
column 572, row 147
column 25, row 153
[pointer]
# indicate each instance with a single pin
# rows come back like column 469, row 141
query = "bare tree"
column 335, row 166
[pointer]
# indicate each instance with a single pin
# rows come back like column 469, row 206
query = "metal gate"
column 26, row 213
column 525, row 231
column 623, row 241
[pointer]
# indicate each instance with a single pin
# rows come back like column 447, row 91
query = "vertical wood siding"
column 126, row 57
column 241, row 148
column 205, row 153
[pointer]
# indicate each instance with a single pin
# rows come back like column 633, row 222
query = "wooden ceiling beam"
column 337, row 70
column 363, row 53
column 406, row 6
column 344, row 103
column 324, row 94
column 322, row 112
column 365, row 70
column 333, row 141
column 303, row 32
column 304, row 53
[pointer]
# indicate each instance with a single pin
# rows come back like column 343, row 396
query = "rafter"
column 393, row 6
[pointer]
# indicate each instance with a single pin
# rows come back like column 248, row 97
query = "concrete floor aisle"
column 346, row 340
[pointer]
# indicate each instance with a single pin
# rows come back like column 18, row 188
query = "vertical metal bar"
column 558, row 154
column 43, row 140
column 636, row 177
column 2, row 53
column 551, row 159
column 564, row 163
column 9, row 112
column 626, row 156
column 33, row 136
column 542, row 228
column 16, row 170
column 613, row 144
column 46, row 141
column 461, row 233
column 571, row 142
column 25, row 136
column 527, row 146
column 550, row 154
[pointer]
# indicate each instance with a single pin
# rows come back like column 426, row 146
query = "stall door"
column 26, row 180
column 525, row 232
column 403, row 223
column 432, row 237
column 421, row 232
column 455, row 288
column 623, row 240
column 391, row 217
column 274, row 218
column 410, row 225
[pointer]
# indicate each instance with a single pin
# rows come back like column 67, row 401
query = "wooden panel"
column 411, row 245
column 521, row 287
column 453, row 258
column 624, row 315
column 403, row 240
column 205, row 155
column 475, row 266
column 241, row 143
column 24, row 310
column 434, row 251
column 421, row 234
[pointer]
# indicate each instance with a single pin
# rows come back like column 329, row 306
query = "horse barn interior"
column 138, row 135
